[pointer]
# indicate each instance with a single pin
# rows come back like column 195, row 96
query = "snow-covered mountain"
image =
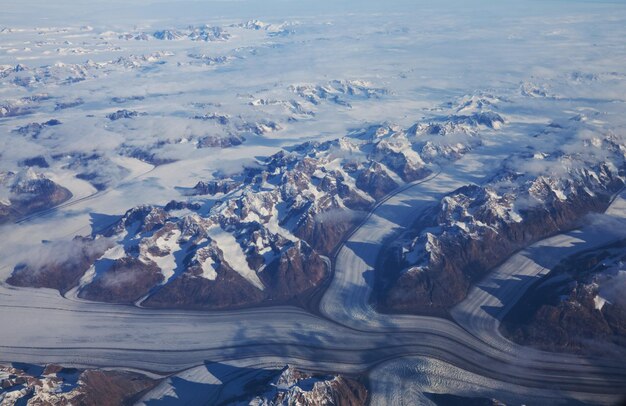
column 259, row 235
column 293, row 387
column 27, row 191
column 532, row 196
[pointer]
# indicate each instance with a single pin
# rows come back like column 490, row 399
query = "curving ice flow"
column 404, row 355
column 191, row 83
column 489, row 301
column 347, row 299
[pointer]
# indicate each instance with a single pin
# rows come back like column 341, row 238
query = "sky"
column 116, row 11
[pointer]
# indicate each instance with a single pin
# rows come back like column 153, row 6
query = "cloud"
column 612, row 287
column 64, row 252
column 607, row 224
column 119, row 279
column 339, row 216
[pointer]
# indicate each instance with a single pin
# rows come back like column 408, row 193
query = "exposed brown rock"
column 298, row 269
column 229, row 289
column 375, row 181
column 112, row 388
column 325, row 231
column 214, row 187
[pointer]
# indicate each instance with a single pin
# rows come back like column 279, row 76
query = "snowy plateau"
column 286, row 202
